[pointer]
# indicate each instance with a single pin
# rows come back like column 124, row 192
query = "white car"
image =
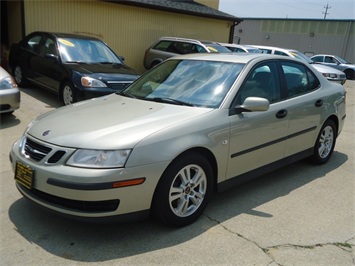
column 9, row 93
column 239, row 48
column 330, row 73
column 192, row 125
column 336, row 62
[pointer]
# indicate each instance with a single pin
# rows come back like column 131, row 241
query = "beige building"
column 128, row 26
column 308, row 36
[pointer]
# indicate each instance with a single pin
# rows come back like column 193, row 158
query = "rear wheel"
column 68, row 96
column 324, row 146
column 183, row 191
column 19, row 76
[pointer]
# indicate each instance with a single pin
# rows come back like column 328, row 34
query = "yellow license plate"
column 24, row 175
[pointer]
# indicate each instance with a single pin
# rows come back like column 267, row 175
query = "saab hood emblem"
column 46, row 133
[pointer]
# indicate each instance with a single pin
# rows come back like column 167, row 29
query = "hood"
column 108, row 122
column 105, row 71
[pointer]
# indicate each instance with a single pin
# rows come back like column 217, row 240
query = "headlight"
column 91, row 82
column 329, row 75
column 99, row 158
column 7, row 83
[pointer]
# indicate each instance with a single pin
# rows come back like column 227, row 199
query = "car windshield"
column 302, row 57
column 342, row 60
column 187, row 82
column 86, row 51
column 215, row 48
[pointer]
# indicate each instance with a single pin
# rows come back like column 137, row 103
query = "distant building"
column 308, row 36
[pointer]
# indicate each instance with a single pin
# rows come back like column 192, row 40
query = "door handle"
column 318, row 103
column 281, row 114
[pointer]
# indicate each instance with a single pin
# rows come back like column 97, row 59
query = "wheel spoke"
column 182, row 206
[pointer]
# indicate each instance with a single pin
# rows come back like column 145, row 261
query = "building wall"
column 129, row 31
column 308, row 36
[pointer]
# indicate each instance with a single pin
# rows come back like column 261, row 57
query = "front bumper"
column 82, row 192
column 9, row 100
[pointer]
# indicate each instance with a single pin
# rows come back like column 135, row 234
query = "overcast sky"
column 311, row 9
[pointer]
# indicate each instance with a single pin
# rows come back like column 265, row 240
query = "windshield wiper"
column 76, row 62
column 170, row 100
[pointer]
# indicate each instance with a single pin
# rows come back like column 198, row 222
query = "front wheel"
column 350, row 74
column 19, row 76
column 324, row 146
column 68, row 96
column 184, row 190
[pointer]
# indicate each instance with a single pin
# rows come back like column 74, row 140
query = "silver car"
column 239, row 48
column 167, row 47
column 9, row 93
column 336, row 62
column 192, row 125
column 330, row 73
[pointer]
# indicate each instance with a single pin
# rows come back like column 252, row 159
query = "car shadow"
column 83, row 242
column 8, row 120
column 47, row 97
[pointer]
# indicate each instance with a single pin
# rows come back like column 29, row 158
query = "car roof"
column 275, row 48
column 237, row 45
column 232, row 57
column 65, row 35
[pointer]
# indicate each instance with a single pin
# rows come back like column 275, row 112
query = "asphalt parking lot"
column 298, row 215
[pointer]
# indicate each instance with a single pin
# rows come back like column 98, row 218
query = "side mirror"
column 252, row 104
column 122, row 58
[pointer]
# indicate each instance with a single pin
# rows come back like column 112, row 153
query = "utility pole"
column 326, row 11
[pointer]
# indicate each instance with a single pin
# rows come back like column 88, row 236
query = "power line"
column 326, row 10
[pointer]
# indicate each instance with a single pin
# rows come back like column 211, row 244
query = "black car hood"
column 105, row 70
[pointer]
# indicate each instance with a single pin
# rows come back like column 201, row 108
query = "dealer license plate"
column 24, row 175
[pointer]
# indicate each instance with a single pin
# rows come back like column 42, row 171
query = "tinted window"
column 317, row 58
column 329, row 59
column 32, row 43
column 162, row 45
column 263, row 82
column 48, row 47
column 179, row 48
column 280, row 53
column 299, row 79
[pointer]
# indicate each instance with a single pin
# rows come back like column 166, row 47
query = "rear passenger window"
column 179, row 48
column 163, row 45
column 299, row 79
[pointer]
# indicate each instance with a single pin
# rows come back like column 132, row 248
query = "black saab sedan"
column 76, row 67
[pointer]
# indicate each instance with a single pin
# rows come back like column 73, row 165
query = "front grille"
column 35, row 151
column 56, row 157
column 78, row 205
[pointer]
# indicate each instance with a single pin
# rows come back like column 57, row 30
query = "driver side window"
column 263, row 81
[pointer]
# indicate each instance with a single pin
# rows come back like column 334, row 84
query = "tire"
column 183, row 190
column 67, row 94
column 324, row 146
column 19, row 76
column 350, row 74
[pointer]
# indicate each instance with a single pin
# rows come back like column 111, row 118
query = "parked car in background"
column 239, row 48
column 167, row 47
column 192, row 125
column 328, row 72
column 9, row 93
column 75, row 67
column 336, row 62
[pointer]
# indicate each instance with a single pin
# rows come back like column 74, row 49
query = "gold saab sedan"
column 192, row 125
